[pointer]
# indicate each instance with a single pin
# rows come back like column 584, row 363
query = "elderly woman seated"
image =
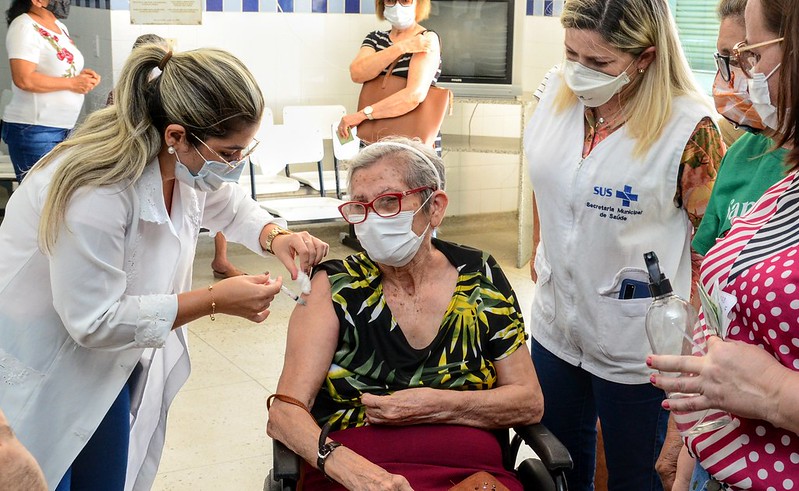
column 410, row 353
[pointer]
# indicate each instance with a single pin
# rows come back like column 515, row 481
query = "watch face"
column 367, row 110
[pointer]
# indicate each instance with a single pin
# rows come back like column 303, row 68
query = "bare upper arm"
column 312, row 339
column 424, row 66
column 21, row 69
column 517, row 369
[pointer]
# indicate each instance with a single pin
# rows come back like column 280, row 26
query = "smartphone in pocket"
column 633, row 289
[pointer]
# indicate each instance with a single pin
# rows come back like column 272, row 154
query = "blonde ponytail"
column 209, row 92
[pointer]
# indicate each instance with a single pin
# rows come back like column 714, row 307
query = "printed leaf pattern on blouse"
column 482, row 324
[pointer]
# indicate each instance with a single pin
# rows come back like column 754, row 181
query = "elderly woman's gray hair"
column 421, row 164
column 731, row 8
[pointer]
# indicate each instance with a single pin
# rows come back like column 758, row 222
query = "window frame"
column 698, row 27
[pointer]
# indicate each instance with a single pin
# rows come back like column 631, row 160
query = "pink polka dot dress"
column 758, row 263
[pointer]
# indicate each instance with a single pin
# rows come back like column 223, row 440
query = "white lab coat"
column 74, row 325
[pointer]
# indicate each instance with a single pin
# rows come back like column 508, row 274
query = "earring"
column 170, row 150
column 641, row 70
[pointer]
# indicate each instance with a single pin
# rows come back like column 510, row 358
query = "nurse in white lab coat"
column 95, row 275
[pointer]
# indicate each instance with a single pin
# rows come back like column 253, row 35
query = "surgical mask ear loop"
column 773, row 70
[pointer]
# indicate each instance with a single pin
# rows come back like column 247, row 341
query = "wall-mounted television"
column 476, row 46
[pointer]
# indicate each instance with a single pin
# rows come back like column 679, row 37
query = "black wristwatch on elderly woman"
column 325, row 449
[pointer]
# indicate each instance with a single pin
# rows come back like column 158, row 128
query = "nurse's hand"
column 308, row 248
column 247, row 296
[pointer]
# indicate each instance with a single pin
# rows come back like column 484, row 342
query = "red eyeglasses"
column 386, row 205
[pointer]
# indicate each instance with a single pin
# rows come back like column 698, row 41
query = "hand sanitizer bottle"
column 670, row 320
column 671, row 326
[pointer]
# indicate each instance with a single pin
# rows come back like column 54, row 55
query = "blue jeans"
column 27, row 143
column 103, row 462
column 633, row 424
column 702, row 481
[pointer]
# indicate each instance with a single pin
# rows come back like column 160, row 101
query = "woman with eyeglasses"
column 750, row 166
column 409, row 354
column 417, row 50
column 753, row 163
column 95, row 279
column 729, row 86
column 622, row 153
column 752, row 372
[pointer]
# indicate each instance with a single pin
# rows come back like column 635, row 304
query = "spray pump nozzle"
column 658, row 283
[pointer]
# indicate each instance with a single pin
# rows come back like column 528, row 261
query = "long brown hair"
column 786, row 14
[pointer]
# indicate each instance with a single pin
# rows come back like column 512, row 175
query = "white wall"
column 303, row 59
column 297, row 58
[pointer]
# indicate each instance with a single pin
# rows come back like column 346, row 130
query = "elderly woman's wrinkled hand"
column 408, row 406
column 734, row 376
column 388, row 482
column 308, row 248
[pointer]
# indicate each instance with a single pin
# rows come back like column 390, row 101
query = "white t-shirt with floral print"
column 55, row 55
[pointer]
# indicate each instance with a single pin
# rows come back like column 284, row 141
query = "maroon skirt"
column 430, row 457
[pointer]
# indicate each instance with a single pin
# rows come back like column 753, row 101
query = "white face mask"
column 400, row 16
column 593, row 88
column 391, row 241
column 761, row 99
column 211, row 177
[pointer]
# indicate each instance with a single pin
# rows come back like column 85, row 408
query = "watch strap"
column 325, row 449
column 277, row 230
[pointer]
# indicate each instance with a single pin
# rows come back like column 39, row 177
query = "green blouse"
column 483, row 324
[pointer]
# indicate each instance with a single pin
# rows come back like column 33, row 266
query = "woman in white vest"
column 622, row 154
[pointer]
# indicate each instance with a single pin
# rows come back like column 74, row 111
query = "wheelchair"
column 546, row 474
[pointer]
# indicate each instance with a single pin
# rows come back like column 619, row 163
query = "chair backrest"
column 347, row 150
column 269, row 118
column 315, row 117
column 258, row 156
column 282, row 145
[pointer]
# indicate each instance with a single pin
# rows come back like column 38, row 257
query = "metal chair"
column 264, row 176
column 547, row 473
column 343, row 152
column 283, row 145
column 317, row 118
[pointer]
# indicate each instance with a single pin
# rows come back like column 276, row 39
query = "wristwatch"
column 271, row 237
column 367, row 111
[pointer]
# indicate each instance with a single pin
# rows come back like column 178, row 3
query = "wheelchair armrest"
column 286, row 464
column 550, row 450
